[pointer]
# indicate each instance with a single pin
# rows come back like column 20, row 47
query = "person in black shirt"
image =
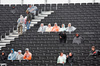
column 3, row 57
column 70, row 59
column 62, row 37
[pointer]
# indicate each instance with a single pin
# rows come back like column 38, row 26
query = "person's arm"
column 24, row 57
column 58, row 60
column 14, row 56
column 29, row 58
column 39, row 30
column 9, row 57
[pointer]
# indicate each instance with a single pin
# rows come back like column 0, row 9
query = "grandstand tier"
column 45, row 48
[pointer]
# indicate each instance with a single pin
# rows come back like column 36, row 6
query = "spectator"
column 33, row 10
column 29, row 18
column 49, row 28
column 77, row 39
column 21, row 23
column 27, row 55
column 61, row 59
column 63, row 28
column 70, row 59
column 3, row 57
column 19, row 55
column 94, row 52
column 12, row 55
column 62, row 37
column 70, row 28
column 55, row 28
column 42, row 28
column 13, row 10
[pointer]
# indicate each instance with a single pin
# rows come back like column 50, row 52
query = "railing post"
column 22, row 2
column 68, row 1
column 45, row 5
column 93, row 1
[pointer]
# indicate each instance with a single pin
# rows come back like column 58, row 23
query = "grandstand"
column 45, row 47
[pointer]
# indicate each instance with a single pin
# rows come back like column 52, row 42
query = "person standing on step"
column 20, row 22
column 33, row 10
column 62, row 37
column 27, row 55
column 19, row 55
column 70, row 59
column 29, row 18
column 12, row 55
column 77, row 39
column 70, row 28
column 3, row 57
column 61, row 59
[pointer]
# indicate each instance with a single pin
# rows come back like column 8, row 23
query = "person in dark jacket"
column 3, row 57
column 70, row 59
column 77, row 39
column 62, row 37
column 13, row 10
column 28, row 20
column 94, row 52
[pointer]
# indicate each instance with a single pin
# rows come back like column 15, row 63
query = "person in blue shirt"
column 12, row 55
column 33, row 10
column 63, row 28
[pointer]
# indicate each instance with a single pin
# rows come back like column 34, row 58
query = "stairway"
column 14, row 35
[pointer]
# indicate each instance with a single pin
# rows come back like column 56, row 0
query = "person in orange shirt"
column 27, row 55
column 55, row 28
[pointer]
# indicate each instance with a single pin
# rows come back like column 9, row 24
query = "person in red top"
column 27, row 55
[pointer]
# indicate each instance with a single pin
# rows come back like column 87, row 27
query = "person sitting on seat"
column 20, row 22
column 19, row 55
column 55, row 28
column 62, row 37
column 61, row 59
column 42, row 28
column 63, row 28
column 49, row 28
column 13, row 10
column 27, row 55
column 28, row 20
column 70, row 28
column 94, row 52
column 33, row 10
column 3, row 57
column 70, row 59
column 12, row 55
column 77, row 39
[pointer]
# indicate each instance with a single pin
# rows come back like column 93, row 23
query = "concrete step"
column 3, row 44
column 36, row 20
column 47, row 12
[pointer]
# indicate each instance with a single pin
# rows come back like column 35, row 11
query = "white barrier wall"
column 81, row 1
column 10, row 1
column 43, row 1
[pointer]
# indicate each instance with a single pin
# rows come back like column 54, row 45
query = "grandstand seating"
column 45, row 48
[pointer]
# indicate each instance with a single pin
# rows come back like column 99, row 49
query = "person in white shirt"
column 42, row 28
column 49, row 28
column 61, row 59
column 19, row 55
column 70, row 28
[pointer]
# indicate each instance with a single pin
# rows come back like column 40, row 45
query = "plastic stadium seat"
column 53, row 7
column 48, row 7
